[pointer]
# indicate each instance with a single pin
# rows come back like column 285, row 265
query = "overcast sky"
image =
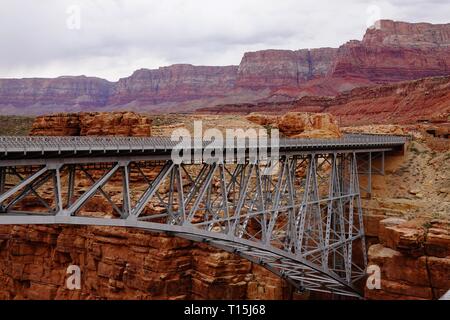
column 112, row 38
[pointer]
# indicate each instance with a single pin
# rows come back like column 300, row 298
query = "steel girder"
column 303, row 221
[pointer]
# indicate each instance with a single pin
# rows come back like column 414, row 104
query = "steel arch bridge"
column 303, row 222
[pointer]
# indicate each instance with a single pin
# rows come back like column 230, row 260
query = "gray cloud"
column 117, row 36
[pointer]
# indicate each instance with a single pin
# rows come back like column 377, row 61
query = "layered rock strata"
column 300, row 124
column 123, row 124
column 390, row 52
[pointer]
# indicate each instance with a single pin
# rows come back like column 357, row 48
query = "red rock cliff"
column 403, row 102
column 123, row 124
column 283, row 68
column 395, row 51
column 59, row 92
column 175, row 83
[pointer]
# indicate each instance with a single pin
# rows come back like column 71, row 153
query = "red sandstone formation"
column 92, row 124
column 174, row 83
column 277, row 69
column 392, row 52
column 300, row 124
column 396, row 51
column 55, row 93
column 64, row 124
column 123, row 264
column 403, row 102
column 414, row 260
column 309, row 125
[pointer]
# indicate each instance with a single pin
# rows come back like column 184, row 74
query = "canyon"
column 389, row 52
column 394, row 81
column 119, row 263
column 397, row 103
column 406, row 224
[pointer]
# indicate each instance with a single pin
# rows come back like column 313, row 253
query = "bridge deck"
column 14, row 148
column 304, row 222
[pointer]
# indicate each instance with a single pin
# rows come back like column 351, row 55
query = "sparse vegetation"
column 15, row 125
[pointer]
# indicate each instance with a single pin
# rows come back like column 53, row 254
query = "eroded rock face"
column 283, row 68
column 397, row 33
column 118, row 263
column 64, row 124
column 59, row 92
column 309, row 125
column 92, row 124
column 175, row 83
column 300, row 124
column 399, row 103
column 414, row 260
column 396, row 51
column 115, row 123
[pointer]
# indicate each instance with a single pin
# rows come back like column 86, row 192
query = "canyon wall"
column 62, row 91
column 174, row 83
column 123, row 264
column 391, row 52
column 414, row 260
column 300, row 124
column 395, row 51
column 277, row 69
column 413, row 254
column 402, row 102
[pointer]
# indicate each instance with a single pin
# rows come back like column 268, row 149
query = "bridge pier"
column 369, row 164
column 2, row 185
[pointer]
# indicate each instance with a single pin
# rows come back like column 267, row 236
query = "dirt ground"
column 416, row 185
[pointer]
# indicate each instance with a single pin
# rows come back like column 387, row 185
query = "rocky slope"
column 403, row 102
column 407, row 223
column 393, row 51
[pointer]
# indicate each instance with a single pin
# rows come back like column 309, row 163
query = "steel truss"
column 303, row 222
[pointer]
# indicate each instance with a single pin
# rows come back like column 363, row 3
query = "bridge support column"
column 2, row 185
column 126, row 207
column 70, row 184
column 58, row 190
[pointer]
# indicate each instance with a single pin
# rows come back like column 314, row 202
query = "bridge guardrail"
column 50, row 144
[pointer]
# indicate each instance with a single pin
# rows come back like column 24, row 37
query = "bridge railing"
column 18, row 144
